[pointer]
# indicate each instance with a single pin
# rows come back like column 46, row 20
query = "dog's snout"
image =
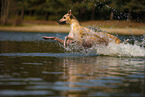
column 61, row 22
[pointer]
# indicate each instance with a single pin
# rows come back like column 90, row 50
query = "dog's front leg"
column 66, row 38
column 53, row 38
column 65, row 41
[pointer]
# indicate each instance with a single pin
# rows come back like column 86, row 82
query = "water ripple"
column 24, row 92
column 46, row 54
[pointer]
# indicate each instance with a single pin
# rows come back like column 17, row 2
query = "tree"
column 5, row 5
column 134, row 6
column 14, row 11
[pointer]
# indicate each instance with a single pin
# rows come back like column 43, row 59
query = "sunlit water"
column 33, row 67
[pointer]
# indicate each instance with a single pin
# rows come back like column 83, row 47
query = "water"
column 33, row 67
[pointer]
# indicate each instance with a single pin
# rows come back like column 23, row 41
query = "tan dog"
column 83, row 36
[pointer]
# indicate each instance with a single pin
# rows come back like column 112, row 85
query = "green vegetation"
column 15, row 11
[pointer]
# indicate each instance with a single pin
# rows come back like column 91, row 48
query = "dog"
column 83, row 36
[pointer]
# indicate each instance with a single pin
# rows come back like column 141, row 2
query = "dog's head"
column 66, row 18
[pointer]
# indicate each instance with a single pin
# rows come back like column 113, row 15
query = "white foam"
column 122, row 50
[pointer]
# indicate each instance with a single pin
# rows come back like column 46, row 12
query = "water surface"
column 33, row 67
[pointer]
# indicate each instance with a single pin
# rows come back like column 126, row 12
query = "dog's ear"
column 69, row 12
column 71, row 16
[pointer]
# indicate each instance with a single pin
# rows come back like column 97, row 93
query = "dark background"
column 15, row 11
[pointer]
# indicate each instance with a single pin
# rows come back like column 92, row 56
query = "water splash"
column 122, row 50
column 134, row 49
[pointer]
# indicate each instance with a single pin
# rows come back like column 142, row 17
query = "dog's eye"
column 64, row 17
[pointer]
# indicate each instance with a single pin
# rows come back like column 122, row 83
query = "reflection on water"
column 43, row 68
column 77, row 76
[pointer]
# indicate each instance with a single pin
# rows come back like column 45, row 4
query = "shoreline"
column 66, row 29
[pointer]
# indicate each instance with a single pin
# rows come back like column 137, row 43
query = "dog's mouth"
column 61, row 23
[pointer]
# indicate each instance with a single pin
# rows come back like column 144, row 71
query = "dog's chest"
column 74, row 30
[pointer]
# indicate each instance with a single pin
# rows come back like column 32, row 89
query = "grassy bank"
column 115, row 27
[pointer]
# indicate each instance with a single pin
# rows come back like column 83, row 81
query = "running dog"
column 83, row 36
